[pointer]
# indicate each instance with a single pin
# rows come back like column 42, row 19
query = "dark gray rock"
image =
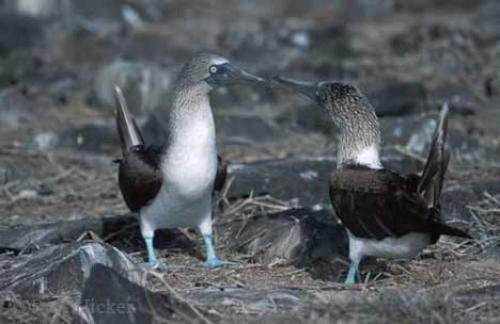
column 20, row 237
column 121, row 231
column 246, row 130
column 396, row 98
column 144, row 86
column 286, row 179
column 311, row 240
column 414, row 135
column 412, row 132
column 108, row 297
column 63, row 269
column 96, row 137
column 18, row 32
column 8, row 173
column 231, row 129
column 14, row 108
column 84, row 283
column 309, row 118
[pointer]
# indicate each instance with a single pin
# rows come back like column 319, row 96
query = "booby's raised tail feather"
column 431, row 181
column 128, row 131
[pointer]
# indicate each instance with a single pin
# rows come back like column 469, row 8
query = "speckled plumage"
column 386, row 214
column 355, row 116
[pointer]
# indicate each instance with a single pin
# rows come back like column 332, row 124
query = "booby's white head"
column 210, row 71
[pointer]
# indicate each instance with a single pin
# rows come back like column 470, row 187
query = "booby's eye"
column 213, row 69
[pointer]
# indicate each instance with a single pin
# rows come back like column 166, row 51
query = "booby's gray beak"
column 230, row 74
column 307, row 88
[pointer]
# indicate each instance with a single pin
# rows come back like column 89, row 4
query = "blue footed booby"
column 386, row 214
column 171, row 186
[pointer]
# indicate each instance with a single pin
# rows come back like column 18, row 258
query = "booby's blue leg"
column 212, row 260
column 152, row 261
column 151, row 251
column 351, row 275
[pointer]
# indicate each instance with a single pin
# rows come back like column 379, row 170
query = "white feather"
column 370, row 157
column 189, row 169
column 406, row 246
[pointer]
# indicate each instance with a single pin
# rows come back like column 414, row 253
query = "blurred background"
column 59, row 59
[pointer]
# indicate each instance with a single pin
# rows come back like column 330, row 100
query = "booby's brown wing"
column 376, row 204
column 139, row 176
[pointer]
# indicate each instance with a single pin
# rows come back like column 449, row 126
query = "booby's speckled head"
column 342, row 100
column 214, row 71
column 351, row 112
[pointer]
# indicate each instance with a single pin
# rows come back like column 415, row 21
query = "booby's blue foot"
column 212, row 260
column 155, row 266
column 216, row 262
column 351, row 275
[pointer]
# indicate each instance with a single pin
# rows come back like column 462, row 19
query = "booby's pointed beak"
column 239, row 75
column 307, row 88
column 228, row 74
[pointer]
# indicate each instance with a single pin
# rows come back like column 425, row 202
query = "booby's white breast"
column 189, row 168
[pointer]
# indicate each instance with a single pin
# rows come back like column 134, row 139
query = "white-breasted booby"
column 386, row 215
column 171, row 186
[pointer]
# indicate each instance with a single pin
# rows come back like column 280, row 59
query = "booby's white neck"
column 369, row 156
column 191, row 118
column 361, row 149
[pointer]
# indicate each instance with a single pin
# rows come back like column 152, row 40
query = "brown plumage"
column 375, row 204
column 386, row 214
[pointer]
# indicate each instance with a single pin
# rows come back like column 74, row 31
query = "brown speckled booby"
column 386, row 214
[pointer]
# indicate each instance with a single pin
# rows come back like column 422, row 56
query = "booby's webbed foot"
column 155, row 266
column 216, row 262
column 212, row 260
column 351, row 275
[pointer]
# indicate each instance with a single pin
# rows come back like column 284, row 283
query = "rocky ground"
column 68, row 248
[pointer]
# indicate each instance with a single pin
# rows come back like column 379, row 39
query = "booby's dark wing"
column 139, row 176
column 431, row 181
column 376, row 204
column 220, row 178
